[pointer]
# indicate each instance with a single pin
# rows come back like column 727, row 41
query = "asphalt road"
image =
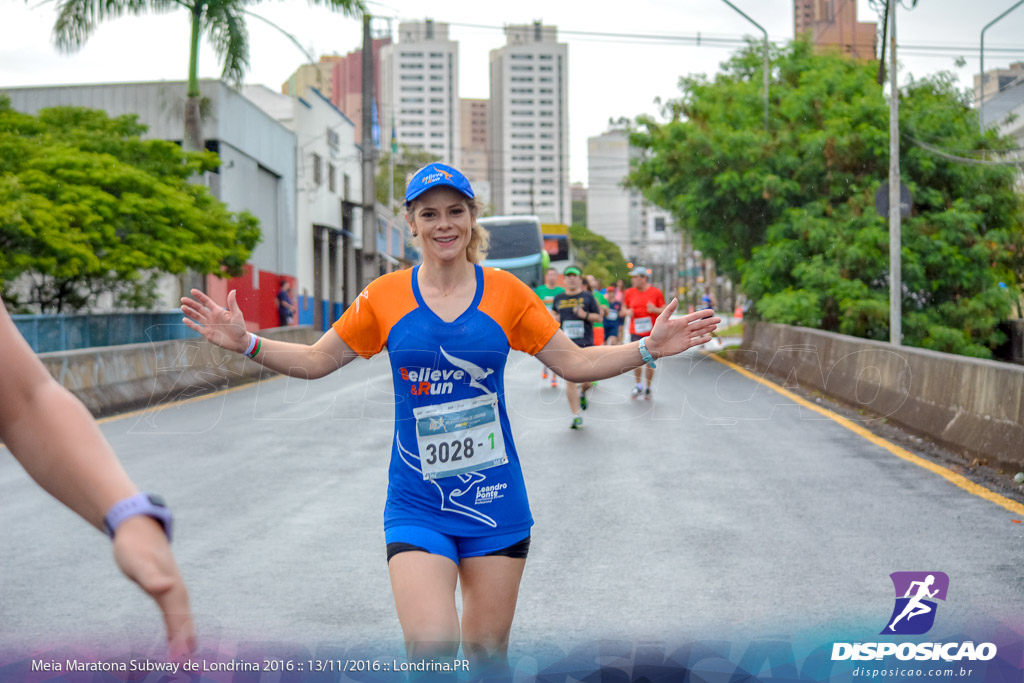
column 719, row 510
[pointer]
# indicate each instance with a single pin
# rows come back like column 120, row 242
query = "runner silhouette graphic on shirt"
column 915, row 606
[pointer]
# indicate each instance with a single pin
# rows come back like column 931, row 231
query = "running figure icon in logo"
column 916, row 588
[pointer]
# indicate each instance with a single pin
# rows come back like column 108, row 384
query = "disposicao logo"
column 916, row 593
column 914, row 614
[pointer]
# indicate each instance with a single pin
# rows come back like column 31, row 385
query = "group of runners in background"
column 593, row 316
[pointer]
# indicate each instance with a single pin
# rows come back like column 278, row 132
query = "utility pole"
column 895, row 279
column 368, row 262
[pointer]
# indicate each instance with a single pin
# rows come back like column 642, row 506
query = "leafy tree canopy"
column 790, row 212
column 597, row 255
column 87, row 206
column 407, row 162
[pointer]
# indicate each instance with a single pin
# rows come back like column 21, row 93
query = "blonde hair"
column 479, row 239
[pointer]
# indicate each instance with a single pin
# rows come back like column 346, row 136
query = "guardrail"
column 49, row 333
column 119, row 378
column 972, row 406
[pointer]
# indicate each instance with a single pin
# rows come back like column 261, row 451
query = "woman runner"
column 456, row 510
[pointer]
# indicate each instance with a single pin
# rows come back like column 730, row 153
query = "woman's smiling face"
column 444, row 223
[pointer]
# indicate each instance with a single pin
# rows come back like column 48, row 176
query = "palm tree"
column 223, row 21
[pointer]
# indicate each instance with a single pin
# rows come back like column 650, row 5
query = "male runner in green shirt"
column 547, row 293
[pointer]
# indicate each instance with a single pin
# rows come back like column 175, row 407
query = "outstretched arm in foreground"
column 225, row 327
column 669, row 337
column 61, row 447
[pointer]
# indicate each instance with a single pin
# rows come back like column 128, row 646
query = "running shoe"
column 583, row 401
column 577, row 422
column 637, row 390
column 544, row 375
column 554, row 382
column 647, row 394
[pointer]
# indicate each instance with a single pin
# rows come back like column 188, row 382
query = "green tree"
column 87, row 206
column 579, row 212
column 596, row 255
column 790, row 213
column 407, row 162
column 222, row 21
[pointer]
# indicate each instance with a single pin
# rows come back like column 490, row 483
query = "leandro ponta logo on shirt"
column 913, row 614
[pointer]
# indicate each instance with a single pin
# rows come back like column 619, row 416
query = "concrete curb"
column 110, row 380
column 972, row 406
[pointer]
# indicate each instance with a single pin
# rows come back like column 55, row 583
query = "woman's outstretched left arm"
column 669, row 337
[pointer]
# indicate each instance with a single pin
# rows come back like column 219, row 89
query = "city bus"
column 517, row 245
column 558, row 245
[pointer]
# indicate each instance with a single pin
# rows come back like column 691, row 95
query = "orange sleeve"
column 517, row 308
column 365, row 325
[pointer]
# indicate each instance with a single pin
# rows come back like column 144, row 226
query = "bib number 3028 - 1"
column 459, row 437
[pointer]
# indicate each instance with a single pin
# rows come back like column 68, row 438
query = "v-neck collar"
column 462, row 316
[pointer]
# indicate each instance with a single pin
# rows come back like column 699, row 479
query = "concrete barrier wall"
column 975, row 407
column 114, row 379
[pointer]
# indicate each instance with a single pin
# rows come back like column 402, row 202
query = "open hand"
column 671, row 336
column 143, row 553
column 224, row 327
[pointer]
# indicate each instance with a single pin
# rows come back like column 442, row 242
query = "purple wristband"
column 149, row 504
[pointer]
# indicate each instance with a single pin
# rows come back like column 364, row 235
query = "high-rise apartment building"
column 473, row 146
column 340, row 79
column 528, row 135
column 832, row 24
column 420, row 90
column 642, row 231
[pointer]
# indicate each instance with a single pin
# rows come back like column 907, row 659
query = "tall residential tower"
column 528, row 133
column 420, row 90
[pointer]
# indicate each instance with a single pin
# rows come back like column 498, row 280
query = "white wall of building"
column 645, row 233
column 328, row 172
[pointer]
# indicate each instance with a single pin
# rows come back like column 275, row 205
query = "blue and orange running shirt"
column 450, row 399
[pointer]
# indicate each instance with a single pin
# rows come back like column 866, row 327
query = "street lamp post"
column 981, row 79
column 767, row 66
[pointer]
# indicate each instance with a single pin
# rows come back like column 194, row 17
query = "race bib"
column 643, row 325
column 573, row 329
column 612, row 315
column 459, row 437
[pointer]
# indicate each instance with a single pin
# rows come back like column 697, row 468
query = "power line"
column 963, row 160
column 715, row 40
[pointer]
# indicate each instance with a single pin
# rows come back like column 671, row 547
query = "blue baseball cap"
column 437, row 175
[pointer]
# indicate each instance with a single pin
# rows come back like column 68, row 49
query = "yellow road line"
column 950, row 476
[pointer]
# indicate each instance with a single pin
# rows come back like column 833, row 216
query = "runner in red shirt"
column 642, row 303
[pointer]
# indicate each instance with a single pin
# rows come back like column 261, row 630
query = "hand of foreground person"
column 674, row 335
column 223, row 327
column 143, row 553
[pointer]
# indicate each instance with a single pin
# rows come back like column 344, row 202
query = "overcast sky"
column 609, row 77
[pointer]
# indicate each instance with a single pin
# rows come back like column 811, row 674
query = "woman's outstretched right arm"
column 225, row 327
